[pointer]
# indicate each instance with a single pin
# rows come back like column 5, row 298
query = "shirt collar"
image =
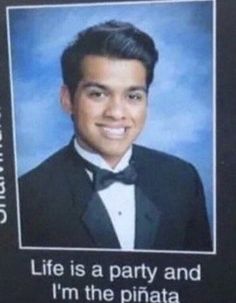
column 98, row 160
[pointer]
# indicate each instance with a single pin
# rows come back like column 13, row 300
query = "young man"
column 102, row 191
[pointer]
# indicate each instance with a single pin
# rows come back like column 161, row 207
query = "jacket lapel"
column 99, row 224
column 147, row 221
column 88, row 204
column 148, row 216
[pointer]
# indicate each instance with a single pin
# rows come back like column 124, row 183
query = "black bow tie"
column 104, row 178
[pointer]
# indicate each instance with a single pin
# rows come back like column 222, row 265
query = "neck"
column 112, row 162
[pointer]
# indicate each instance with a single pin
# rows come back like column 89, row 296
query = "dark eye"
column 95, row 94
column 136, row 96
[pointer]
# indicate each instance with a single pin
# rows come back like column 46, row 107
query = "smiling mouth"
column 113, row 132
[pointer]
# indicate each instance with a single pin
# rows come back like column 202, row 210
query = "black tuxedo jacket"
column 59, row 208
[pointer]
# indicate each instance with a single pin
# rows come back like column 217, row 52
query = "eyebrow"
column 94, row 84
column 134, row 88
column 105, row 87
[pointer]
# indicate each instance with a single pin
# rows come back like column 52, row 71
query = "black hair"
column 112, row 39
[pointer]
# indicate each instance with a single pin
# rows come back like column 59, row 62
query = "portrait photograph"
column 114, row 114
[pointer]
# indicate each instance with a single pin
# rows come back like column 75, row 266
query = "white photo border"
column 214, row 112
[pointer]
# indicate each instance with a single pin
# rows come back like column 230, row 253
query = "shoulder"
column 157, row 161
column 48, row 169
column 151, row 155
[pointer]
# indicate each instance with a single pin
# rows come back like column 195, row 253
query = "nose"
column 115, row 108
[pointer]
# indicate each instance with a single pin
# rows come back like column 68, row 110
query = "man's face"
column 109, row 105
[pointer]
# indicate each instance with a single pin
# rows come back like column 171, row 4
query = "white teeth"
column 114, row 131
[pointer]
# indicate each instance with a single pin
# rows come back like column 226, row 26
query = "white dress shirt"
column 118, row 198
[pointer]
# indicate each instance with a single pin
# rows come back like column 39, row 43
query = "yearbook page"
column 117, row 151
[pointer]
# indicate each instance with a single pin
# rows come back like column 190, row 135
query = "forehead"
column 113, row 71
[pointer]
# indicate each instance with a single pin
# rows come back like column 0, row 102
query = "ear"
column 65, row 98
